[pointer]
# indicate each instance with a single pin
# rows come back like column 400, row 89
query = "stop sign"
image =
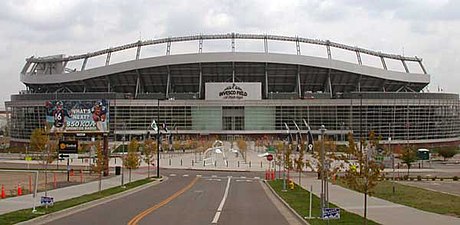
column 270, row 157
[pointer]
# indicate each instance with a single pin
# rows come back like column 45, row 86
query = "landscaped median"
column 26, row 214
column 299, row 199
column 419, row 198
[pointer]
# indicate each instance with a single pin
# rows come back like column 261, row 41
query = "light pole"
column 122, row 156
column 323, row 171
column 158, row 138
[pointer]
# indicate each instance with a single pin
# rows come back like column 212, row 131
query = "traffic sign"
column 271, row 149
column 270, row 157
column 70, row 156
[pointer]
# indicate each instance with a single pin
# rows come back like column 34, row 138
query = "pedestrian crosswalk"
column 215, row 177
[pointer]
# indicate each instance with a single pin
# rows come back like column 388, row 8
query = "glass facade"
column 401, row 119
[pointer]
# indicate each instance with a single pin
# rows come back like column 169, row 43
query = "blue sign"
column 46, row 200
column 331, row 213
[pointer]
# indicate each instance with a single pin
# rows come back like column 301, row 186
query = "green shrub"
column 433, row 178
column 455, row 178
column 441, row 179
column 419, row 178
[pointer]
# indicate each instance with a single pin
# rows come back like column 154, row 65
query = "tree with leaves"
column 447, row 153
column 364, row 176
column 99, row 166
column 41, row 142
column 132, row 159
column 334, row 160
column 299, row 161
column 150, row 149
column 408, row 156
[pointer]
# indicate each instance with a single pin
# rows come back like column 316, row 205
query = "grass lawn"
column 299, row 199
column 419, row 198
column 26, row 214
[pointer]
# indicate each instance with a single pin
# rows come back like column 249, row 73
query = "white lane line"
column 216, row 218
column 172, row 175
column 198, row 175
column 219, row 210
column 214, row 176
column 185, row 175
column 257, row 178
column 243, row 177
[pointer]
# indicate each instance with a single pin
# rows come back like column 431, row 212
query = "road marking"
column 216, row 217
column 185, row 175
column 172, row 175
column 257, row 178
column 198, row 175
column 243, row 177
column 216, row 179
column 214, row 176
column 219, row 210
column 141, row 215
column 243, row 180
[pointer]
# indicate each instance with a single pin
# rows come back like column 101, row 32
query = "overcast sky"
column 425, row 28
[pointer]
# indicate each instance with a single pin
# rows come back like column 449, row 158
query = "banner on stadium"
column 233, row 91
column 77, row 116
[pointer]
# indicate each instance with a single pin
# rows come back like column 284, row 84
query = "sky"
column 425, row 28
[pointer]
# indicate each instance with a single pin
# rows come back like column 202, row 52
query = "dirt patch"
column 54, row 179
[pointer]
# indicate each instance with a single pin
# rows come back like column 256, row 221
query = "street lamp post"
column 122, row 156
column 323, row 170
column 158, row 138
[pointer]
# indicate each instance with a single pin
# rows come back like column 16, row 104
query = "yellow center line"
column 141, row 215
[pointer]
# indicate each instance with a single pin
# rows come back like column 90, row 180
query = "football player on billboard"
column 59, row 113
column 99, row 112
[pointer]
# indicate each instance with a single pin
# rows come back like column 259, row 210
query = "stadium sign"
column 233, row 91
column 68, row 147
column 77, row 116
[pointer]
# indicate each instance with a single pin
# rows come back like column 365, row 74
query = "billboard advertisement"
column 233, row 91
column 77, row 116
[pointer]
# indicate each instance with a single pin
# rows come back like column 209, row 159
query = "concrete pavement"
column 379, row 210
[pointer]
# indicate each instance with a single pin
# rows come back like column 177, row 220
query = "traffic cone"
column 19, row 190
column 3, row 192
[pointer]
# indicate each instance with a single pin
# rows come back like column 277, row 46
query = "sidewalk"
column 27, row 201
column 380, row 211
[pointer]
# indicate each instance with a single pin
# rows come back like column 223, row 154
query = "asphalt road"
column 246, row 202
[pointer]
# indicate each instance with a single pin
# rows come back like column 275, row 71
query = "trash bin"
column 117, row 170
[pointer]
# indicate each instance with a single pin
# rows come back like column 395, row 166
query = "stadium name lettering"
column 232, row 94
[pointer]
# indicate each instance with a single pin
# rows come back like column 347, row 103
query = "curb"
column 78, row 208
column 299, row 217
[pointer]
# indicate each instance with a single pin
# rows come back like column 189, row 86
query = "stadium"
column 232, row 92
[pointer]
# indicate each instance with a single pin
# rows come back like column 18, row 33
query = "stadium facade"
column 242, row 93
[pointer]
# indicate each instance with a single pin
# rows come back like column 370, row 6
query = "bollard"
column 3, row 192
column 170, row 161
column 226, row 162
column 181, row 162
column 215, row 163
column 249, row 164
column 193, row 162
column 260, row 164
column 238, row 163
column 19, row 190
column 81, row 176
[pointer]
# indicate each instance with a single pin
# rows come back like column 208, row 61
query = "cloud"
column 428, row 29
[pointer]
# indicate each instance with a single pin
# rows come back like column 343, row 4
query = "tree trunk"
column 148, row 170
column 129, row 175
column 300, row 177
column 100, row 181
